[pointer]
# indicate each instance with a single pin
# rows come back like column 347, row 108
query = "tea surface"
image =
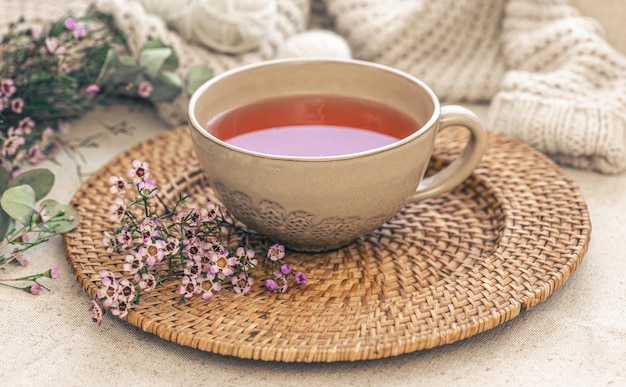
column 312, row 125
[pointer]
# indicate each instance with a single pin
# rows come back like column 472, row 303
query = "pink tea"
column 312, row 125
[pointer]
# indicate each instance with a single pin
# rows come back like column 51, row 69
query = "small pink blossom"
column 35, row 32
column 134, row 261
column 26, row 125
column 188, row 288
column 301, row 278
column 70, row 23
column 92, row 89
column 285, row 269
column 276, row 252
column 54, row 273
column 144, row 89
column 154, row 252
column 118, row 185
column 52, row 44
column 270, row 285
column 17, row 105
column 79, row 33
column 118, row 210
column 7, row 87
column 35, row 289
column 139, row 171
column 96, row 312
column 242, row 283
column 34, row 154
column 147, row 282
column 109, row 242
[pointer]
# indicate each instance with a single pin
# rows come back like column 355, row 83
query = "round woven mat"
column 440, row 271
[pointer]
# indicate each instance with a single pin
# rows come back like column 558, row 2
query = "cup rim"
column 199, row 129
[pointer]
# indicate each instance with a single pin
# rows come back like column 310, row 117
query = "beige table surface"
column 577, row 337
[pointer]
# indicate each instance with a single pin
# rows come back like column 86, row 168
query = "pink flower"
column 139, row 171
column 52, row 44
column 35, row 289
column 17, row 105
column 118, row 185
column 118, row 210
column 54, row 273
column 144, row 89
column 7, row 87
column 109, row 242
column 285, row 269
column 26, row 124
column 134, row 261
column 154, row 252
column 70, row 23
column 270, row 285
column 92, row 89
column 222, row 263
column 35, row 32
column 96, row 312
column 188, row 288
column 276, row 252
column 242, row 283
column 301, row 278
column 79, row 33
column 147, row 282
column 109, row 292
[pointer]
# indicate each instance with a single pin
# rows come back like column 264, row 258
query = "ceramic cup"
column 322, row 203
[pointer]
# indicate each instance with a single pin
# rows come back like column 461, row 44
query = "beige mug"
column 322, row 203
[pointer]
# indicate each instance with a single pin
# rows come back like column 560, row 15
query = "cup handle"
column 454, row 174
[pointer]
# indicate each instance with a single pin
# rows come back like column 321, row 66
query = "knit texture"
column 140, row 26
column 549, row 75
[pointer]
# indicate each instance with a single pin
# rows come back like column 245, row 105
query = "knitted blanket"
column 547, row 73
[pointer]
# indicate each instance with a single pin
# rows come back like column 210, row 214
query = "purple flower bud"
column 34, row 289
column 270, row 285
column 285, row 269
column 70, row 23
column 301, row 278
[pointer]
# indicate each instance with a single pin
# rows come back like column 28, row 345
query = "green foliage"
column 19, row 203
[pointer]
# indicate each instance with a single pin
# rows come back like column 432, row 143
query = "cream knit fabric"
column 549, row 76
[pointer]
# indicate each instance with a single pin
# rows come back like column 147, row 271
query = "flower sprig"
column 24, row 224
column 51, row 75
column 200, row 248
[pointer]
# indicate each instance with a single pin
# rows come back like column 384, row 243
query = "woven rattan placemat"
column 440, row 271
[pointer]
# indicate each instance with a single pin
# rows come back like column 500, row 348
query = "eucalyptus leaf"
column 4, row 179
column 40, row 179
column 5, row 223
column 197, row 76
column 19, row 203
column 154, row 43
column 165, row 87
column 63, row 218
column 126, row 69
column 154, row 60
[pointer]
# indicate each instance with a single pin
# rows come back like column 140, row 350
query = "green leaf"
column 156, row 60
column 4, row 179
column 125, row 69
column 165, row 87
column 5, row 223
column 40, row 179
column 19, row 203
column 63, row 218
column 197, row 76
column 154, row 43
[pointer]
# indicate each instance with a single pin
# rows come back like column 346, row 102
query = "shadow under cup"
column 314, row 203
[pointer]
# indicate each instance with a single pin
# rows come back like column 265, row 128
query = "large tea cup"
column 317, row 203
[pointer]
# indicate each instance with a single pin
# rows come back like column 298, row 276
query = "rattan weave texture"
column 440, row 271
